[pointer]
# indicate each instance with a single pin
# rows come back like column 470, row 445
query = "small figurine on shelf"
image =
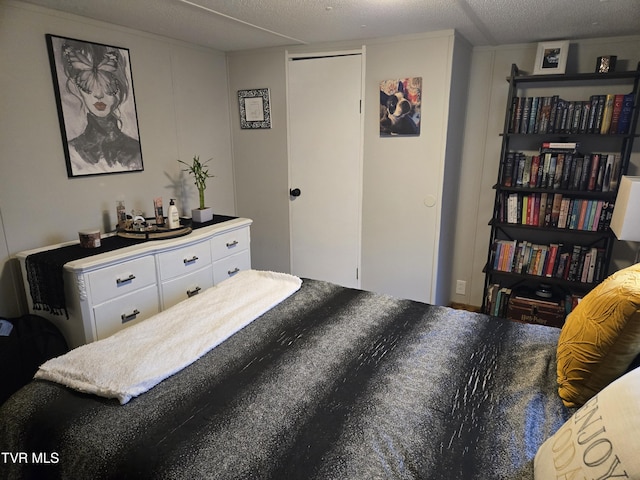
column 606, row 64
column 200, row 173
column 138, row 223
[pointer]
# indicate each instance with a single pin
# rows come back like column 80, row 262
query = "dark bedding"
column 333, row 383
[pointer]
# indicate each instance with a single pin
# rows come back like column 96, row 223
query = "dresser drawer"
column 125, row 311
column 181, row 288
column 184, row 260
column 116, row 280
column 229, row 243
column 229, row 266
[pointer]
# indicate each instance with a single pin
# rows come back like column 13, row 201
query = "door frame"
column 289, row 57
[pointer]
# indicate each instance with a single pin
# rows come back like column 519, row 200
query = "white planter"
column 202, row 216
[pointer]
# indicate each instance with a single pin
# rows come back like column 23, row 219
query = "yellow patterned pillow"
column 600, row 338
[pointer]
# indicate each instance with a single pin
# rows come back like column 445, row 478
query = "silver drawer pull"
column 232, row 244
column 190, row 260
column 195, row 291
column 127, row 318
column 120, row 281
column 234, row 271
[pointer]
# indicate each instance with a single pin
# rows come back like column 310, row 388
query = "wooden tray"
column 158, row 233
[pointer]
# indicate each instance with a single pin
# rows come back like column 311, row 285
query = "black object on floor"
column 26, row 343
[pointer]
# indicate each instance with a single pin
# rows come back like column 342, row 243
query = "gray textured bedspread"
column 333, row 383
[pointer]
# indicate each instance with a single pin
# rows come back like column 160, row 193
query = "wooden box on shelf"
column 532, row 310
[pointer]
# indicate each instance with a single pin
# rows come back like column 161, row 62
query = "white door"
column 325, row 174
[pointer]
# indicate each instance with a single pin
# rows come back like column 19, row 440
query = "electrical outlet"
column 461, row 287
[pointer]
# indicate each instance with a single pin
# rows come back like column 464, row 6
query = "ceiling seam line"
column 479, row 24
column 220, row 14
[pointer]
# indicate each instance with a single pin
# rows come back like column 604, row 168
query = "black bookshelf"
column 568, row 270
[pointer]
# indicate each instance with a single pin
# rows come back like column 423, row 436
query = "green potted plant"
column 200, row 173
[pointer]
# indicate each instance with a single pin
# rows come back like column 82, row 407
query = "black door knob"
column 294, row 192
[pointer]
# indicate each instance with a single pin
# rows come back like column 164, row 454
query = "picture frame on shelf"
column 255, row 108
column 551, row 58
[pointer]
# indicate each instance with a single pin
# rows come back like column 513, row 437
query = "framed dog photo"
column 400, row 107
column 255, row 108
column 551, row 58
column 94, row 93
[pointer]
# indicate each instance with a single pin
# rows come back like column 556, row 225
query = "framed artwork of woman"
column 98, row 120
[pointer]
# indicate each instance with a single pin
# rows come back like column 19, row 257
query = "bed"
column 330, row 383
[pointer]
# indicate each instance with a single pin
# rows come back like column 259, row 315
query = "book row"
column 499, row 298
column 555, row 210
column 593, row 172
column 601, row 114
column 575, row 263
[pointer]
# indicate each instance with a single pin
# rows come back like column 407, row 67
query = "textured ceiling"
column 244, row 24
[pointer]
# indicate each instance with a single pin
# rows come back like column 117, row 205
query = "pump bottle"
column 173, row 217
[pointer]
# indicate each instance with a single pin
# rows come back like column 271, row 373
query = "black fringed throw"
column 44, row 269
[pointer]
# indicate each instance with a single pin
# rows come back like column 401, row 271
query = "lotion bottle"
column 172, row 215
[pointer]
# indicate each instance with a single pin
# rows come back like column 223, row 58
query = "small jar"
column 89, row 238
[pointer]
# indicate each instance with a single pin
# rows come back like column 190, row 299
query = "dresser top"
column 142, row 248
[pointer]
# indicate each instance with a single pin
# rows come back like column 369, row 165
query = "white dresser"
column 109, row 291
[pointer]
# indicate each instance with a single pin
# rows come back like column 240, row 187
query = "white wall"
column 260, row 158
column 386, row 213
column 402, row 251
column 181, row 98
column 488, row 91
column 400, row 248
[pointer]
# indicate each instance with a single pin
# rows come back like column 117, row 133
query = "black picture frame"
column 255, row 108
column 93, row 87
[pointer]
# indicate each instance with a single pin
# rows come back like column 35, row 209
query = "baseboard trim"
column 464, row 306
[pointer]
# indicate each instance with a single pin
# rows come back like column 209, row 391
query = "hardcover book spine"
column 593, row 111
column 517, row 116
column 577, row 173
column 615, row 173
column 586, row 171
column 618, row 100
column 608, row 169
column 555, row 209
column 551, row 176
column 599, row 113
column 526, row 114
column 584, row 121
column 625, row 114
column 551, row 128
column 507, row 174
column 596, row 216
column 535, row 165
column 601, row 171
column 593, row 175
column 533, row 116
column 545, row 115
column 564, row 211
column 607, row 114
column 520, row 162
column 577, row 117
